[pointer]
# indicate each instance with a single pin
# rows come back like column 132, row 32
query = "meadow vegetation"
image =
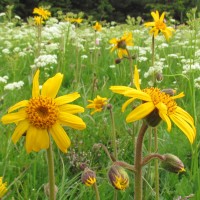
column 81, row 51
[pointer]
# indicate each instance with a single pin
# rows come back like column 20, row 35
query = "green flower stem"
column 138, row 163
column 39, row 38
column 52, row 195
column 96, row 191
column 114, row 144
column 152, row 156
column 156, row 165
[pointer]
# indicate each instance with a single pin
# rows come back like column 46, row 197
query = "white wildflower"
column 14, row 85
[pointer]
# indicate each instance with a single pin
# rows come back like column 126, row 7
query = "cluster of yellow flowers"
column 41, row 15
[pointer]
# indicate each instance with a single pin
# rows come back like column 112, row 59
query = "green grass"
column 26, row 174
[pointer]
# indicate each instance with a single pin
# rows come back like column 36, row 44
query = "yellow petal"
column 178, row 96
column 71, row 108
column 21, row 128
column 138, row 94
column 120, row 89
column 52, row 85
column 60, row 137
column 18, row 105
column 149, row 24
column 136, row 78
column 113, row 41
column 14, row 117
column 67, row 98
column 162, row 17
column 35, row 89
column 140, row 112
column 31, row 136
column 70, row 120
column 41, row 141
column 155, row 15
column 127, row 103
column 185, row 127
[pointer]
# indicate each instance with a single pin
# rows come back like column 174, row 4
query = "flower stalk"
column 50, row 161
column 138, row 163
column 96, row 191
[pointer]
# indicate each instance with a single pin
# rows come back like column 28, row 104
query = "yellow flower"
column 98, row 104
column 3, row 188
column 159, row 103
column 45, row 14
column 121, row 44
column 88, row 177
column 38, row 20
column 159, row 26
column 78, row 20
column 42, row 116
column 97, row 27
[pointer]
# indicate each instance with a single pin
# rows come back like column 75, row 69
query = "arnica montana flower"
column 42, row 116
column 161, row 104
column 97, row 27
column 159, row 26
column 97, row 104
column 3, row 188
column 38, row 20
column 45, row 14
column 121, row 44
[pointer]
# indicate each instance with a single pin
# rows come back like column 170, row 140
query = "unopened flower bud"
column 159, row 76
column 88, row 177
column 172, row 163
column 169, row 91
column 118, row 60
column 118, row 177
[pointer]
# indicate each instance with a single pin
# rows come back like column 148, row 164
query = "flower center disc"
column 160, row 25
column 42, row 112
column 158, row 96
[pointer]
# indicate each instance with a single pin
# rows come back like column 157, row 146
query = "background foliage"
column 109, row 10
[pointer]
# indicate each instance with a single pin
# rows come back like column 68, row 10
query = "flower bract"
column 154, row 100
column 44, row 114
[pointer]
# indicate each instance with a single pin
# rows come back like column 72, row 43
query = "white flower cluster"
column 44, row 61
column 197, row 83
column 14, row 85
column 191, row 67
column 3, row 79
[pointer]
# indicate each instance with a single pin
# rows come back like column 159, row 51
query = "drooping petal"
column 31, row 136
column 14, row 117
column 35, row 89
column 21, row 128
column 60, row 137
column 136, row 78
column 71, row 108
column 72, row 121
column 127, row 103
column 67, row 98
column 140, row 112
column 42, row 140
column 52, row 85
column 18, row 105
column 185, row 127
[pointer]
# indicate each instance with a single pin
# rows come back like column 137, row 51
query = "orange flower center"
column 158, row 96
column 160, row 25
column 42, row 112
